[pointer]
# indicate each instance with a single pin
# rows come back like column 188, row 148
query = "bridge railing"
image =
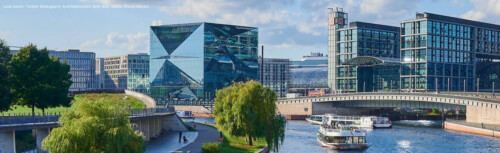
column 466, row 95
column 27, row 118
column 186, row 102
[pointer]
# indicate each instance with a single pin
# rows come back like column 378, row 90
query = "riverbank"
column 233, row 144
column 472, row 128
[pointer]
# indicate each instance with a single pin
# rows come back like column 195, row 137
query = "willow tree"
column 249, row 110
column 95, row 126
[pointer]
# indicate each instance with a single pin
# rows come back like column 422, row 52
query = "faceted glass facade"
column 452, row 51
column 192, row 61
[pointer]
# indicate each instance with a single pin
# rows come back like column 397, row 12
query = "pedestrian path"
column 206, row 134
column 168, row 142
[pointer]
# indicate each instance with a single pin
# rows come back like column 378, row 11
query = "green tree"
column 95, row 127
column 5, row 93
column 40, row 81
column 249, row 109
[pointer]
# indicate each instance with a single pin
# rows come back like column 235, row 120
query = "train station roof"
column 367, row 61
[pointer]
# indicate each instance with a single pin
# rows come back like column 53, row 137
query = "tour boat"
column 356, row 121
column 185, row 114
column 341, row 135
column 315, row 119
column 381, row 122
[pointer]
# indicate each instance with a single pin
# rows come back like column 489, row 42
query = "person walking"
column 180, row 136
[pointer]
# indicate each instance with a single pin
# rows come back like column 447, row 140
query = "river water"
column 421, row 137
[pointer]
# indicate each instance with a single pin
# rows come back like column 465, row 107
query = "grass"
column 116, row 98
column 234, row 144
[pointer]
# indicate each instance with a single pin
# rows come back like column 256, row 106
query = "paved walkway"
column 168, row 142
column 206, row 134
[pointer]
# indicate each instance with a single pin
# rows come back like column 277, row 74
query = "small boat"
column 381, row 122
column 185, row 114
column 341, row 136
column 315, row 119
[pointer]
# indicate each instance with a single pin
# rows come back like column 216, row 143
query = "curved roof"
column 372, row 61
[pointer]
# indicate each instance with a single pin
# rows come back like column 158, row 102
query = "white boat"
column 356, row 121
column 337, row 135
column 185, row 114
column 381, row 122
column 315, row 119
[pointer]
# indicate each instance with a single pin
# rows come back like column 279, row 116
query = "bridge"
column 150, row 121
column 480, row 107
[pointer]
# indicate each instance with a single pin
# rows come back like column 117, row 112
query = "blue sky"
column 287, row 28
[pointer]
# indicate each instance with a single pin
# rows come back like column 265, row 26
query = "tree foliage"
column 40, row 81
column 5, row 93
column 249, row 109
column 95, row 126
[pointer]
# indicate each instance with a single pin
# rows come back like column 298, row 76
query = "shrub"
column 211, row 148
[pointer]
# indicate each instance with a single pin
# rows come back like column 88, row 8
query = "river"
column 300, row 137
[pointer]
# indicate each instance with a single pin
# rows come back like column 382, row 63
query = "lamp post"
column 477, row 87
column 465, row 85
column 493, row 89
column 448, row 84
column 391, row 86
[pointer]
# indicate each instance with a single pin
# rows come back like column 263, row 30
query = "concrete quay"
column 472, row 128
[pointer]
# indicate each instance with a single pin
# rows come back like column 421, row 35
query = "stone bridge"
column 480, row 107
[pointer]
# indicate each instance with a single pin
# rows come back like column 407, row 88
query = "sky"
column 287, row 28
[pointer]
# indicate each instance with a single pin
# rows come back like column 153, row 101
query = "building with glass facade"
column 362, row 56
column 193, row 60
column 129, row 72
column 276, row 74
column 448, row 53
column 82, row 67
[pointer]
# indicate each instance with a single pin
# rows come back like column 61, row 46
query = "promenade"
column 206, row 134
column 168, row 142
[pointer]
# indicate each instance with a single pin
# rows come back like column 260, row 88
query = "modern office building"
column 82, row 67
column 193, row 60
column 276, row 74
column 129, row 72
column 362, row 56
column 448, row 53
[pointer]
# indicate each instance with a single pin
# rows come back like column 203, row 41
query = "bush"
column 211, row 148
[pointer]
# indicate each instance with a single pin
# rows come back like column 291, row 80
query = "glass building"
column 447, row 53
column 192, row 61
column 129, row 72
column 276, row 74
column 82, row 67
column 363, row 56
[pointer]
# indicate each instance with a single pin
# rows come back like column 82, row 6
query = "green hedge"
column 211, row 148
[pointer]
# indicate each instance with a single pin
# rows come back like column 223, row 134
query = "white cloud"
column 156, row 23
column 474, row 15
column 484, row 10
column 132, row 42
column 90, row 43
